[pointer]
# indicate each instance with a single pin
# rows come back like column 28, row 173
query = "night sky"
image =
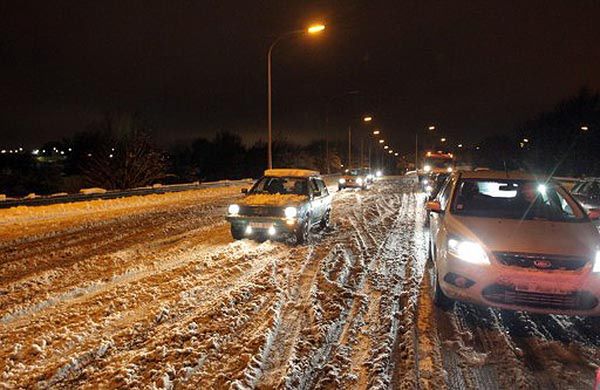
column 192, row 68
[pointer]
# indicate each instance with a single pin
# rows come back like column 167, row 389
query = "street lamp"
column 381, row 141
column 367, row 118
column 376, row 132
column 431, row 128
column 312, row 30
column 442, row 140
column 585, row 128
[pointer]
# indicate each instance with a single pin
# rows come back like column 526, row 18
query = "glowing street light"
column 431, row 128
column 386, row 147
column 390, row 151
column 367, row 118
column 315, row 28
column 311, row 30
column 396, row 154
column 526, row 140
column 381, row 141
column 460, row 145
column 443, row 140
column 585, row 128
column 376, row 132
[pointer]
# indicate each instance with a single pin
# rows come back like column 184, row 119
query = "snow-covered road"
column 152, row 292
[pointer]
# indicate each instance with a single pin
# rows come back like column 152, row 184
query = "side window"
column 314, row 189
column 322, row 187
column 444, row 195
column 594, row 191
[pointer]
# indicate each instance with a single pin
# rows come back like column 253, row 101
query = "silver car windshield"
column 281, row 185
column 515, row 199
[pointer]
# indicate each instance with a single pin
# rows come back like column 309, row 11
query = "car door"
column 315, row 201
column 325, row 197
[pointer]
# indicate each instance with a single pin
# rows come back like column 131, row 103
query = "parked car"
column 433, row 183
column 283, row 202
column 355, row 178
column 507, row 240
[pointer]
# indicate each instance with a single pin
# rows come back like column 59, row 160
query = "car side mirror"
column 434, row 206
column 594, row 214
column 244, row 190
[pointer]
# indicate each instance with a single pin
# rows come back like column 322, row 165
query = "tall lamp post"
column 314, row 29
column 430, row 128
column 327, row 106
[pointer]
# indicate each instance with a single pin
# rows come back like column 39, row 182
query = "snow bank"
column 90, row 191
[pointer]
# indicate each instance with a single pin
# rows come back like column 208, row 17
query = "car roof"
column 488, row 174
column 287, row 172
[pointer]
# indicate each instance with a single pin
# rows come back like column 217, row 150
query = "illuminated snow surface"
column 151, row 292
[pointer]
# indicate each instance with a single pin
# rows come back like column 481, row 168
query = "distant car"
column 282, row 202
column 507, row 240
column 355, row 178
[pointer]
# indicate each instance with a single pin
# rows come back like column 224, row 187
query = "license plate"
column 260, row 225
column 541, row 290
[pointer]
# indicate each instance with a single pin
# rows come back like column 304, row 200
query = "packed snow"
column 152, row 292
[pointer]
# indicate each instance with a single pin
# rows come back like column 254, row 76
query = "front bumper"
column 516, row 288
column 260, row 225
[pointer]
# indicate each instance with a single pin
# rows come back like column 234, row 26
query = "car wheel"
column 340, row 188
column 326, row 221
column 237, row 233
column 303, row 232
column 439, row 298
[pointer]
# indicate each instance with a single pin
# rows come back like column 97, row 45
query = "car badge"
column 543, row 264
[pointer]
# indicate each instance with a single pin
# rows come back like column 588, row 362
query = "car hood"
column 274, row 200
column 543, row 237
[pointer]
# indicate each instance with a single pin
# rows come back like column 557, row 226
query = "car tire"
column 303, row 232
column 237, row 233
column 340, row 188
column 326, row 221
column 439, row 298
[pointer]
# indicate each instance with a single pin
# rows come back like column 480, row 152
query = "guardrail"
column 162, row 189
column 115, row 194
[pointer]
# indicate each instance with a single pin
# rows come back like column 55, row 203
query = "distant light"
column 477, row 148
column 110, row 156
column 62, row 152
column 386, row 147
column 390, row 151
column 272, row 231
column 460, row 145
column 431, row 127
column 585, row 128
column 35, row 152
column 376, row 132
column 89, row 155
column 443, row 140
column 316, row 28
column 396, row 154
column 112, row 149
column 525, row 140
column 381, row 141
column 3, row 151
column 428, row 154
column 70, row 150
column 20, row 149
column 248, row 229
column 367, row 119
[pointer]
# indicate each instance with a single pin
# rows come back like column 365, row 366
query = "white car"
column 507, row 240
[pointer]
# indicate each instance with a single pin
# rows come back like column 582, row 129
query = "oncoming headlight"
column 290, row 212
column 468, row 251
column 427, row 168
column 342, row 181
column 597, row 263
column 234, row 209
column 450, row 169
column 359, row 181
column 378, row 173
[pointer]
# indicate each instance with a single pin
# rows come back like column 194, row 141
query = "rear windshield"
column 281, row 185
column 515, row 199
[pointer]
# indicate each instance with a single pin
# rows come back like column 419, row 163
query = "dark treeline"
column 117, row 152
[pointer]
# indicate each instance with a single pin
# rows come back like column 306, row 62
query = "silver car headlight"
column 290, row 212
column 450, row 169
column 596, row 268
column 427, row 168
column 359, row 180
column 342, row 181
column 233, row 209
column 468, row 251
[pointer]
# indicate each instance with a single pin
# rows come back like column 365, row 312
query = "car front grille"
column 541, row 262
column 578, row 300
column 261, row 211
